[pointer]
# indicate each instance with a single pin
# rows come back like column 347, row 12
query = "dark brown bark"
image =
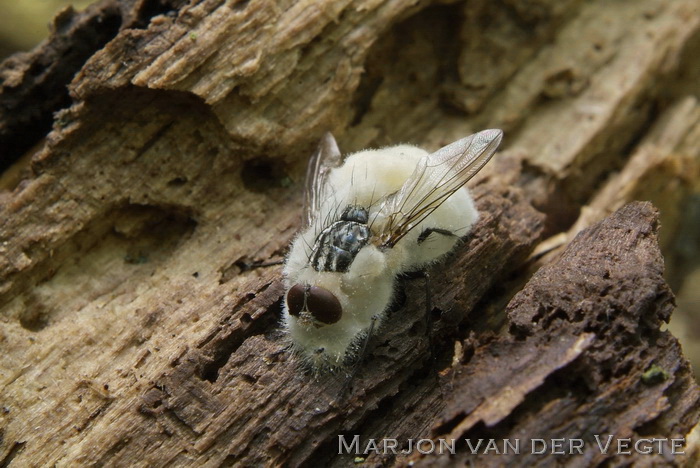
column 585, row 356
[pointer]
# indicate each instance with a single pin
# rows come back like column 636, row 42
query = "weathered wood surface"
column 589, row 323
column 132, row 331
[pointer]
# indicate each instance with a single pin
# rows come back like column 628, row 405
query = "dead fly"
column 375, row 215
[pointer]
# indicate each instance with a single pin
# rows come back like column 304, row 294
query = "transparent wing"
column 326, row 157
column 436, row 177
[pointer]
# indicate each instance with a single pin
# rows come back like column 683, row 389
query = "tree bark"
column 135, row 332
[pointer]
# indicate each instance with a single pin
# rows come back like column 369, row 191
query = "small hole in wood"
column 262, row 174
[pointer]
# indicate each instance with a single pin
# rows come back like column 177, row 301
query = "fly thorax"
column 338, row 244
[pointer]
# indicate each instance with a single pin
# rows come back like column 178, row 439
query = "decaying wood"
column 589, row 323
column 134, row 331
column 41, row 77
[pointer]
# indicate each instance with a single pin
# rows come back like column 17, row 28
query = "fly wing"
column 436, row 177
column 326, row 157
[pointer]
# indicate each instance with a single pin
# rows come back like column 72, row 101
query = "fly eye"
column 320, row 302
column 323, row 305
column 295, row 299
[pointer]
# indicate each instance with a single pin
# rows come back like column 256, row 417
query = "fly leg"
column 428, row 302
column 427, row 231
column 428, row 311
column 429, row 315
column 428, row 305
column 349, row 377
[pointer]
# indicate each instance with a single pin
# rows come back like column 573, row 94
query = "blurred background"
column 25, row 23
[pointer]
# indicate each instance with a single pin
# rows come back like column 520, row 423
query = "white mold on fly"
column 367, row 219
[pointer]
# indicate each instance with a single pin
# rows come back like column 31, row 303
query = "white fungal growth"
column 367, row 219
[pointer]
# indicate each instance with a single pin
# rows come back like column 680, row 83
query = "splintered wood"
column 135, row 330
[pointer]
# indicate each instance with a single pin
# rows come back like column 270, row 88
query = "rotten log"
column 133, row 330
column 590, row 324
